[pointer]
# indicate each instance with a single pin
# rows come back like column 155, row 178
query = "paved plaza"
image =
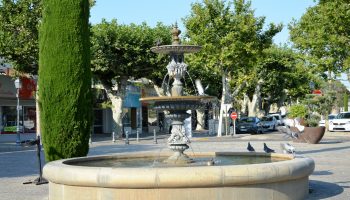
column 330, row 180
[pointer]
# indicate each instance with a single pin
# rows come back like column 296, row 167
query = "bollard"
column 137, row 135
column 126, row 137
column 113, row 136
column 154, row 137
column 90, row 140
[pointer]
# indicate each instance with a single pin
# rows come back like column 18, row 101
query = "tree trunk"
column 267, row 108
column 117, row 114
column 200, row 120
column 224, row 99
column 253, row 104
column 346, row 101
column 244, row 104
column 281, row 100
column 116, row 98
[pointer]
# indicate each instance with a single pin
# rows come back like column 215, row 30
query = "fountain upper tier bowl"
column 176, row 49
column 178, row 102
column 265, row 181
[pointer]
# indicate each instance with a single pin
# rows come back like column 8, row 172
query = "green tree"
column 233, row 39
column 65, row 78
column 122, row 52
column 298, row 110
column 285, row 76
column 19, row 33
column 322, row 34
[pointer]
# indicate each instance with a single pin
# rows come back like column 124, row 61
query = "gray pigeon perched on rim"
column 267, row 149
column 288, row 148
column 250, row 147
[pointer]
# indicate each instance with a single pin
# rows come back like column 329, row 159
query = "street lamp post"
column 18, row 86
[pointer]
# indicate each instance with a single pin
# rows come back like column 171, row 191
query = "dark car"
column 249, row 125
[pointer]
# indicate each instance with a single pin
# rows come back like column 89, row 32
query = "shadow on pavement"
column 323, row 190
column 322, row 173
column 323, row 150
column 20, row 164
column 330, row 142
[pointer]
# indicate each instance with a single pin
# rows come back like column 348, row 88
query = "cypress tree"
column 65, row 78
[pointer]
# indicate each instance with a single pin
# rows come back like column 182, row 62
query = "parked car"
column 269, row 122
column 330, row 117
column 278, row 118
column 249, row 125
column 322, row 122
column 340, row 123
column 285, row 119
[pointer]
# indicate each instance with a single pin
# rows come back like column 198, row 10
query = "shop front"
column 132, row 109
column 8, row 105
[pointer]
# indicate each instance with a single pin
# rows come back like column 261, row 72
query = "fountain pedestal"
column 178, row 141
column 178, row 157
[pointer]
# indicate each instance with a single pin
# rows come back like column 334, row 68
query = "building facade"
column 8, row 105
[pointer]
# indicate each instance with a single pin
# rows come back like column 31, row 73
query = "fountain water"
column 228, row 175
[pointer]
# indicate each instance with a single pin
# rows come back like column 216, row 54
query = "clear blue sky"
column 169, row 11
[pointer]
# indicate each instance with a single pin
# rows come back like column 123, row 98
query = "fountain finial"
column 176, row 32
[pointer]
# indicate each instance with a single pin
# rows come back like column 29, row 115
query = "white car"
column 340, row 123
column 269, row 122
column 330, row 117
column 278, row 118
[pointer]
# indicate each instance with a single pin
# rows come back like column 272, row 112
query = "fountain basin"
column 286, row 179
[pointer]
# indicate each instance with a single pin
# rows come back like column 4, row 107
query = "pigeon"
column 287, row 148
column 250, row 147
column 267, row 149
column 211, row 162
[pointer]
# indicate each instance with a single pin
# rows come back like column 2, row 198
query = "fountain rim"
column 176, row 48
column 179, row 177
column 176, row 98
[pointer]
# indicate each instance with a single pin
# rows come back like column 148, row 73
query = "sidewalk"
column 8, row 142
column 330, row 180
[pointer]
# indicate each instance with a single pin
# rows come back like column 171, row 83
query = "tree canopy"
column 19, row 33
column 285, row 76
column 19, row 30
column 322, row 34
column 120, row 50
column 232, row 39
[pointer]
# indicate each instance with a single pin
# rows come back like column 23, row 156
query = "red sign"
column 317, row 92
column 28, row 88
column 234, row 115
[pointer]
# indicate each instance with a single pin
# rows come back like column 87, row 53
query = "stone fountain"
column 166, row 176
column 177, row 104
